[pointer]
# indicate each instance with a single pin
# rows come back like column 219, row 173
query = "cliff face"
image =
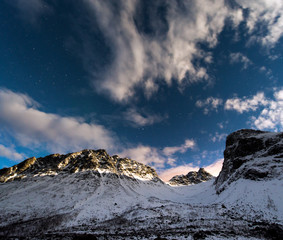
column 86, row 160
column 192, row 177
column 253, row 155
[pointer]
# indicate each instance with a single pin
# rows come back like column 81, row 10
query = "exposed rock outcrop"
column 251, row 154
column 86, row 160
column 192, row 177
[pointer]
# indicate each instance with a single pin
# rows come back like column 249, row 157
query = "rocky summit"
column 91, row 195
column 86, row 160
column 192, row 177
column 251, row 154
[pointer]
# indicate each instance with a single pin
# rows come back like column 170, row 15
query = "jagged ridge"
column 192, row 177
column 86, row 160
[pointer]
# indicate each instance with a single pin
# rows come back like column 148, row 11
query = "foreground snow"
column 95, row 203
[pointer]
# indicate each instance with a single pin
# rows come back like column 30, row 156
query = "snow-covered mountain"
column 253, row 155
column 86, row 160
column 192, row 177
column 91, row 195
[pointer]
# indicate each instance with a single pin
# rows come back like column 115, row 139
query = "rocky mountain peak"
column 85, row 160
column 202, row 172
column 251, row 154
column 192, row 177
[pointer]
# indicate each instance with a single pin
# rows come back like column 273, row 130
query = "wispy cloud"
column 271, row 110
column 243, row 104
column 142, row 59
column 246, row 104
column 271, row 116
column 22, row 118
column 155, row 156
column 209, row 104
column 10, row 153
column 20, row 115
column 267, row 12
column 240, row 58
column 142, row 118
column 145, row 154
column 218, row 137
column 168, row 49
column 31, row 10
column 213, row 169
column 268, row 72
column 223, row 124
column 189, row 144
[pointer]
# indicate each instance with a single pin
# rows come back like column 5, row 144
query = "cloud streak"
column 20, row 115
column 146, row 155
column 271, row 116
column 157, row 157
column 31, row 10
column 218, row 137
column 267, row 12
column 209, row 104
column 147, row 54
column 22, row 119
column 240, row 58
column 189, row 144
column 142, row 119
column 10, row 153
column 163, row 52
column 245, row 104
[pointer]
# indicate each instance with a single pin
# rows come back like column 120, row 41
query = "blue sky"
column 162, row 82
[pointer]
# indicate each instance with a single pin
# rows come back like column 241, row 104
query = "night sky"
column 162, row 82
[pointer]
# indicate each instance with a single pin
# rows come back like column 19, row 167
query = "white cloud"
column 240, row 58
column 142, row 61
column 271, row 116
column 213, row 169
column 271, row 110
column 142, row 119
column 217, row 137
column 31, row 127
column 263, row 69
column 31, row 10
column 140, row 58
column 223, row 124
column 209, row 104
column 268, row 72
column 10, row 153
column 189, row 144
column 269, row 12
column 155, row 156
column 246, row 104
column 279, row 95
column 146, row 155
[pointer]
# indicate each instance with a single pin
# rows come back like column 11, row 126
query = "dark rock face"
column 86, row 160
column 191, row 178
column 251, row 154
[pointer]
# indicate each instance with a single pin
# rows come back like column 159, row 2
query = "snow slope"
column 89, row 202
column 105, row 203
